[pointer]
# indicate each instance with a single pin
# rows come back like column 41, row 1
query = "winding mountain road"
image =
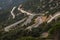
column 56, row 15
column 28, row 13
column 29, row 19
column 7, row 28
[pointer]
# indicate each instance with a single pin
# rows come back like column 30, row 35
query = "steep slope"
column 31, row 20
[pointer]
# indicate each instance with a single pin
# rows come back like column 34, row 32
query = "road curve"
column 37, row 23
column 24, row 11
column 12, row 12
